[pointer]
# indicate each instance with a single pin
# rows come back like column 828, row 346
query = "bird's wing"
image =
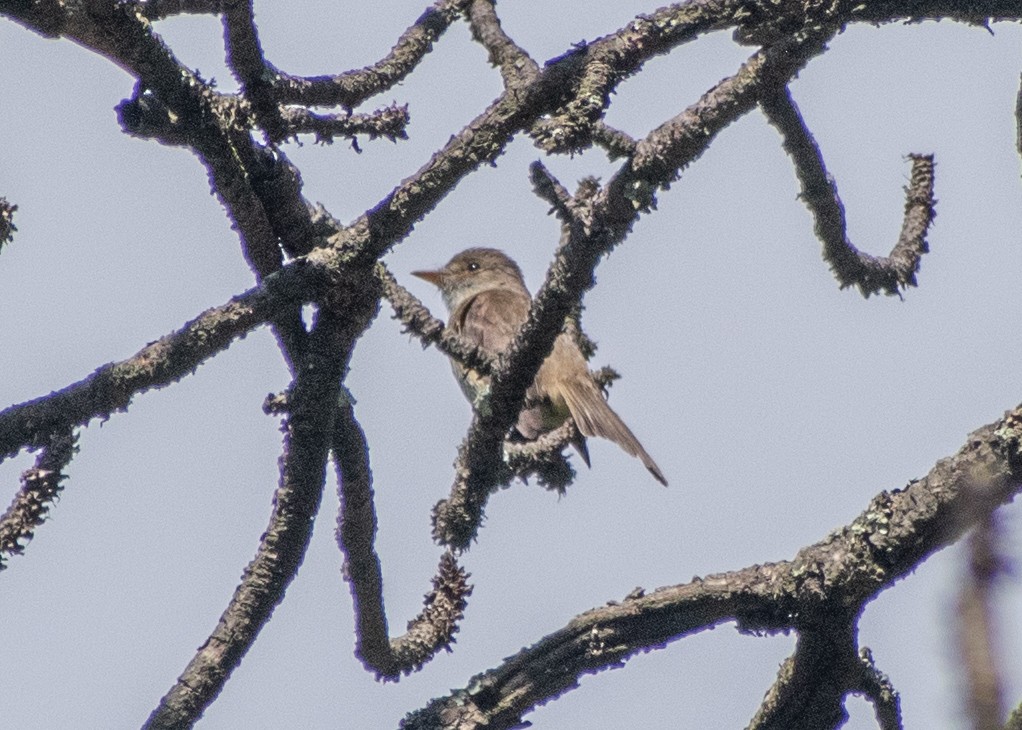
column 491, row 319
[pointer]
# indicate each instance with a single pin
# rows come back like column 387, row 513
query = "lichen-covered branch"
column 40, row 487
column 516, row 66
column 435, row 627
column 7, row 227
column 419, row 322
column 283, row 545
column 389, row 123
column 158, row 364
column 870, row 274
column 820, row 594
column 352, row 88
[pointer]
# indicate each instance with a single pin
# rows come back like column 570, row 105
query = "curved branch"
column 870, row 274
column 434, row 628
column 351, row 89
column 834, row 577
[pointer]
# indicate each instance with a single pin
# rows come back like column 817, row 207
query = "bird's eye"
column 473, row 266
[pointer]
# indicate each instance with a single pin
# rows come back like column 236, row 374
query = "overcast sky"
column 776, row 404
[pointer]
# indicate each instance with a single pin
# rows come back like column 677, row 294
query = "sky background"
column 776, row 404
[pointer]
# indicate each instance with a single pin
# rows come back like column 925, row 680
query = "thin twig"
column 354, row 87
column 389, row 123
column 40, row 487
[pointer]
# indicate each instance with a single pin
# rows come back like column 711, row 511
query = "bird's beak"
column 436, row 278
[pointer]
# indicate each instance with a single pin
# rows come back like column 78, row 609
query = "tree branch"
column 516, row 66
column 852, row 267
column 40, row 487
column 835, row 577
column 435, row 627
column 351, row 89
column 977, row 635
column 282, row 547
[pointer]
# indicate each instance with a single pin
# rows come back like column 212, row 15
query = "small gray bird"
column 485, row 294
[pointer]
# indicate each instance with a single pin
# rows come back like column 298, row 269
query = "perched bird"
column 488, row 302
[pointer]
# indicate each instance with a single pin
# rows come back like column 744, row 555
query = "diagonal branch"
column 834, row 577
column 871, row 274
column 158, row 364
column 351, row 89
column 418, row 321
column 516, row 66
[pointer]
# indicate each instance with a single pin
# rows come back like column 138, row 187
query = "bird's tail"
column 594, row 417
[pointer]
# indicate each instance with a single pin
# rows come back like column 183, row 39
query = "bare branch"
column 852, row 267
column 977, row 639
column 609, row 60
column 40, row 487
column 550, row 189
column 419, row 322
column 820, row 592
column 389, row 122
column 812, row 682
column 877, row 688
column 158, row 364
column 435, row 627
column 282, row 547
column 544, row 458
column 351, row 89
column 246, row 59
column 618, row 144
column 516, row 66
column 7, row 227
column 159, row 9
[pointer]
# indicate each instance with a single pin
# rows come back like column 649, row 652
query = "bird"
column 487, row 301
